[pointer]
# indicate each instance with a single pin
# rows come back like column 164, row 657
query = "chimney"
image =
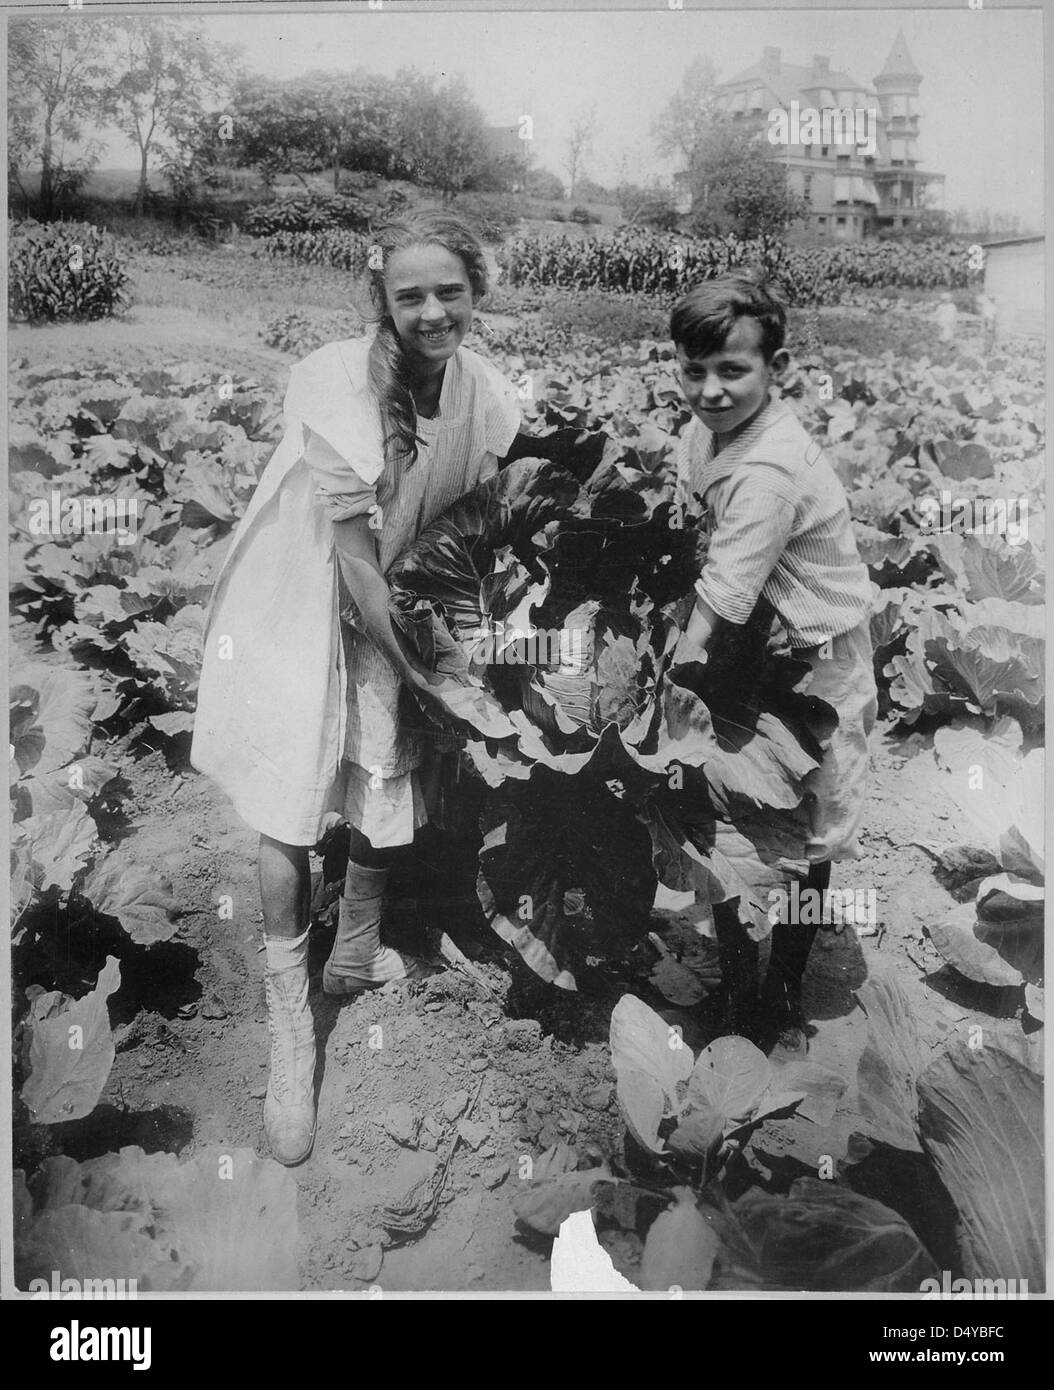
column 770, row 60
column 821, row 64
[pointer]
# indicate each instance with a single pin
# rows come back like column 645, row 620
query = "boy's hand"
column 695, row 638
column 688, row 650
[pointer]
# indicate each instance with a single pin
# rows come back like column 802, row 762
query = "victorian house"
column 853, row 186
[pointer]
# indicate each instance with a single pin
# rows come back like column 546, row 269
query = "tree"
column 737, row 185
column 542, row 183
column 171, row 73
column 357, row 117
column 986, row 223
column 577, row 145
column 267, row 126
column 59, row 74
column 735, row 182
column 647, row 207
column 440, row 134
column 685, row 123
column 590, row 191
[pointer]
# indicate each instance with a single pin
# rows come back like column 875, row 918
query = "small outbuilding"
column 1014, row 278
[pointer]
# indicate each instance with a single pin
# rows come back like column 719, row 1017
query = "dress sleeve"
column 338, row 488
column 755, row 525
column 329, row 402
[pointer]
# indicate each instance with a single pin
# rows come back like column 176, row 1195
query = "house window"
column 824, row 149
column 839, row 221
column 807, row 188
column 842, row 161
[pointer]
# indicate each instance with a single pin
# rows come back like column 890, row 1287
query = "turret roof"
column 900, row 63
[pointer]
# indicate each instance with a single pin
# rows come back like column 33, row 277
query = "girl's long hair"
column 389, row 369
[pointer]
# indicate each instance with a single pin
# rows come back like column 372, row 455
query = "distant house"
column 851, row 193
column 1013, row 276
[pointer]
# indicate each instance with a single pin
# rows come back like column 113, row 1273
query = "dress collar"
column 448, row 393
column 713, row 467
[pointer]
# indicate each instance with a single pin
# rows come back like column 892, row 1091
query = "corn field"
column 664, row 263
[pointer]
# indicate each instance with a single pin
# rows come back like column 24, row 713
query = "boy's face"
column 728, row 387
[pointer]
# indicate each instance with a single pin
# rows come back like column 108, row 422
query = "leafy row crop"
column 311, row 214
column 62, row 271
column 336, row 247
column 109, row 625
column 576, row 534
column 668, row 263
column 969, row 1121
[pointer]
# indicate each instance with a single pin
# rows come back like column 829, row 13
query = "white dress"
column 298, row 712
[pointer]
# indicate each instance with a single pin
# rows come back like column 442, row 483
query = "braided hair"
column 388, row 366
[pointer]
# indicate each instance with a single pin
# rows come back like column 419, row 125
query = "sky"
column 981, row 99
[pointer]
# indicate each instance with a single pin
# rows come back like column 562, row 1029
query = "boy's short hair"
column 701, row 322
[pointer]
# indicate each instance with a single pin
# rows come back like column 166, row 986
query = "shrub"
column 300, row 333
column 337, row 247
column 491, row 218
column 323, row 212
column 584, row 216
column 318, row 213
column 63, row 271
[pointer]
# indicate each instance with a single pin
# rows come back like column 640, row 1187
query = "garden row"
column 666, row 263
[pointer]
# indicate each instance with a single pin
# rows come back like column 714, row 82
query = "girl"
column 305, row 686
column 779, row 533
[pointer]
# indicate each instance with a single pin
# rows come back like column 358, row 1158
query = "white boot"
column 289, row 1108
column 358, row 960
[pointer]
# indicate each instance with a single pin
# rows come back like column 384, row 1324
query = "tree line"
column 191, row 111
column 194, row 113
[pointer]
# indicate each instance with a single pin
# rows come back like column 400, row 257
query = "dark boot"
column 738, row 997
column 784, row 1020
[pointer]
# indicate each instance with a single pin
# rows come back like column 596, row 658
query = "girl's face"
column 430, row 301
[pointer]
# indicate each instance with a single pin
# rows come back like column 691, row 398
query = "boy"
column 779, row 529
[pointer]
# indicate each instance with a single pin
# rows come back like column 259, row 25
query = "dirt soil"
column 516, row 1065
column 445, row 1083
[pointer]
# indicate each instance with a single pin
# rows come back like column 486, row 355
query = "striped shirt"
column 778, row 526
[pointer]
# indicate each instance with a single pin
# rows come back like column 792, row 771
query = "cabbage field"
column 567, row 1058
